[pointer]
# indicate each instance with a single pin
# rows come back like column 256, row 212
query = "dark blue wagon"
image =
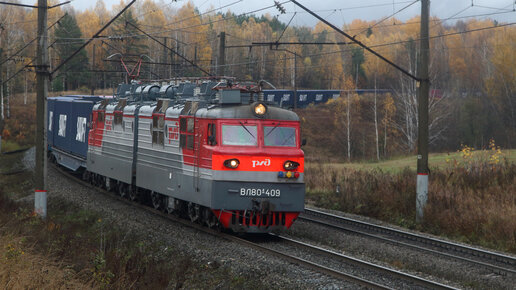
column 67, row 132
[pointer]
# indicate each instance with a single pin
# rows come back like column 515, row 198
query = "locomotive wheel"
column 109, row 184
column 102, row 182
column 133, row 194
column 166, row 207
column 85, row 175
column 91, row 178
column 157, row 200
column 123, row 189
column 180, row 208
column 209, row 218
column 99, row 181
column 194, row 212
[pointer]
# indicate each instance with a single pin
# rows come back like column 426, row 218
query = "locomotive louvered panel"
column 114, row 156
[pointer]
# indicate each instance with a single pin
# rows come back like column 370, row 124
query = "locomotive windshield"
column 279, row 136
column 240, row 135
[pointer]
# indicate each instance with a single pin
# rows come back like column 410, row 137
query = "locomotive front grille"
column 254, row 218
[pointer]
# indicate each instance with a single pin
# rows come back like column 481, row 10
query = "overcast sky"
column 339, row 12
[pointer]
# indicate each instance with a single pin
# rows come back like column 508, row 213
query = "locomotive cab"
column 257, row 166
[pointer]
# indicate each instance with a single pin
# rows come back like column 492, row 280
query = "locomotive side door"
column 189, row 140
column 197, row 150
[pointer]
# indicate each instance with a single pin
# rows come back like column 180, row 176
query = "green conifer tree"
column 74, row 73
column 126, row 41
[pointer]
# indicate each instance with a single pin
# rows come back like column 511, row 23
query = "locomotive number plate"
column 260, row 192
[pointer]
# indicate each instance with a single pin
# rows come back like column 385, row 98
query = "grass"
column 471, row 197
column 435, row 160
column 75, row 248
column 15, row 182
column 8, row 146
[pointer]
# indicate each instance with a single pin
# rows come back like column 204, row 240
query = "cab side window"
column 211, row 136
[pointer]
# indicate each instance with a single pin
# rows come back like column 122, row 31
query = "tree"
column 389, row 111
column 501, row 85
column 357, row 70
column 68, row 39
column 346, row 109
column 375, row 111
column 190, row 38
column 125, row 39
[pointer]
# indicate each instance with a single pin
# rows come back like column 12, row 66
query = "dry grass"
column 21, row 268
column 474, row 203
column 436, row 160
column 96, row 252
column 477, row 203
column 76, row 249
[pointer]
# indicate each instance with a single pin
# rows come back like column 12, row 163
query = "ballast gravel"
column 429, row 266
column 203, row 248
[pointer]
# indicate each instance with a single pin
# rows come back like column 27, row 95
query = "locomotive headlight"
column 260, row 109
column 231, row 163
column 290, row 165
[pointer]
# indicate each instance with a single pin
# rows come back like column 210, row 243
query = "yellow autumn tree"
column 89, row 23
column 387, row 121
column 190, row 34
column 346, row 110
column 330, row 64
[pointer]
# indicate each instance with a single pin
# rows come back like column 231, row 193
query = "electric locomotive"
column 220, row 157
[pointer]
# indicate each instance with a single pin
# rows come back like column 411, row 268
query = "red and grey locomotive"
column 233, row 160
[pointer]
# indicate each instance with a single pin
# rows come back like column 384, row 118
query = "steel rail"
column 302, row 262
column 426, row 241
column 370, row 266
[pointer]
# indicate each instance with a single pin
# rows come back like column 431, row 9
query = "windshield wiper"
column 289, row 138
column 247, row 129
column 273, row 129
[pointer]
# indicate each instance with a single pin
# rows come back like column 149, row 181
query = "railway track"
column 388, row 276
column 498, row 263
column 396, row 279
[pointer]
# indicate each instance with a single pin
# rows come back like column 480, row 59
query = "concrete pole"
column 424, row 87
column 40, row 175
column 1, row 99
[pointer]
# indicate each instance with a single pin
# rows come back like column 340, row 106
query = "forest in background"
column 473, row 60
